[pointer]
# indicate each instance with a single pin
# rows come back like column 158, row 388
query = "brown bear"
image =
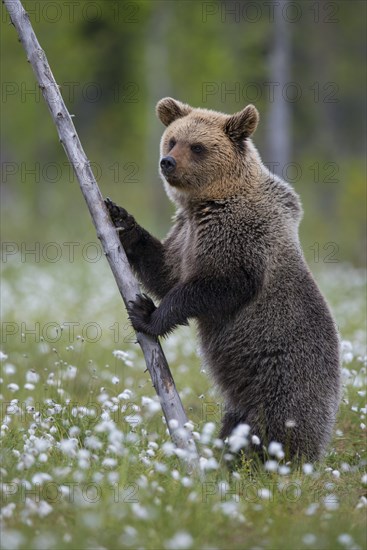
column 233, row 262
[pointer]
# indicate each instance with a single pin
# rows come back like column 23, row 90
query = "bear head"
column 204, row 153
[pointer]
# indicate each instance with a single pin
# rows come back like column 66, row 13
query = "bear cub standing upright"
column 233, row 262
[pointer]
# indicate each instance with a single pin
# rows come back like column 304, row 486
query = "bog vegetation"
column 87, row 459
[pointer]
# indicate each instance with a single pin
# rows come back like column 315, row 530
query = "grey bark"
column 106, row 232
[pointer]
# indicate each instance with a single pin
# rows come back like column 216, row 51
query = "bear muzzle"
column 168, row 165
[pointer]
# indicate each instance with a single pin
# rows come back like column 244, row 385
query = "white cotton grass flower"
column 11, row 539
column 160, row 467
column 109, row 463
column 345, row 539
column 265, row 493
column 32, row 376
column 128, row 537
column 92, row 442
column 168, row 448
column 312, row 509
column 207, row 433
column 331, row 502
column 9, row 369
column 182, row 540
column 7, row 511
column 228, row 457
column 229, row 508
column 175, row 474
column 13, row 387
column 123, row 356
column 68, row 446
column 255, row 440
column 271, row 466
column 113, row 477
column 183, row 454
column 347, row 351
column 3, row 356
column 41, row 444
column 307, row 469
column 207, row 464
column 238, row 438
column 27, row 460
column 218, row 443
column 309, row 538
column 103, row 397
column 150, row 405
column 40, row 478
column 364, row 479
column 125, row 395
column 83, row 459
column 362, row 503
column 44, row 509
column 207, row 452
column 186, row 481
column 276, row 449
column 70, row 373
column 106, row 425
column 133, row 419
column 189, row 426
column 139, row 511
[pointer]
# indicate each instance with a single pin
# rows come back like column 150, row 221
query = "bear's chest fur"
column 189, row 246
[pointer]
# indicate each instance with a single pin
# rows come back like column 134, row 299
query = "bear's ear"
column 243, row 124
column 169, row 109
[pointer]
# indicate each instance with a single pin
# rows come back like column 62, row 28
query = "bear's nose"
column 168, row 164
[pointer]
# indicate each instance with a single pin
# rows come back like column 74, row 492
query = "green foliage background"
column 133, row 53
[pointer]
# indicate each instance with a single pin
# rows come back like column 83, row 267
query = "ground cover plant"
column 87, row 461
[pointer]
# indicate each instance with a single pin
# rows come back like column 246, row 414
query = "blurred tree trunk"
column 279, row 115
column 158, row 85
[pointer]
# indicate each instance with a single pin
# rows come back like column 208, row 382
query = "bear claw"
column 140, row 311
column 120, row 217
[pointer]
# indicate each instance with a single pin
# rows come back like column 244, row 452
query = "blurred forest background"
column 301, row 63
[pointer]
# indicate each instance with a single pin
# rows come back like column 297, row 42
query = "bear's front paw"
column 140, row 312
column 122, row 220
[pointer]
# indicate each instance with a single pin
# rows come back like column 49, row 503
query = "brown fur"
column 233, row 262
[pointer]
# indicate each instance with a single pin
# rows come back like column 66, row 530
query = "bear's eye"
column 197, row 148
column 171, row 143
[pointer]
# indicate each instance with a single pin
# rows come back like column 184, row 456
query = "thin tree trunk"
column 106, row 232
column 158, row 85
column 279, row 116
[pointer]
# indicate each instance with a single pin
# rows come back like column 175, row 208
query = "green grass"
column 87, row 464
